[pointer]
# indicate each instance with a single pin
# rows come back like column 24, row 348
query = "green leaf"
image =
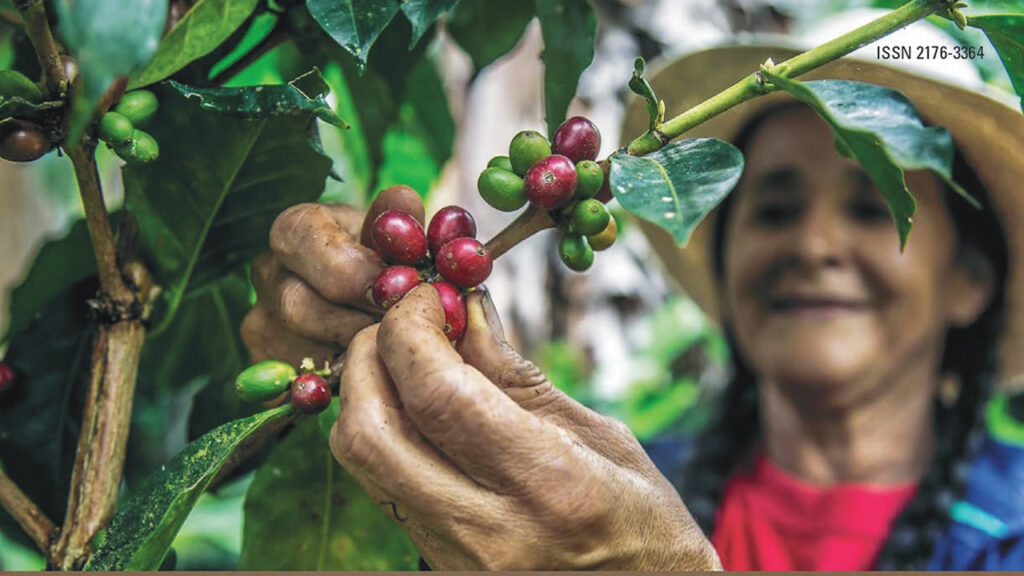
column 569, row 28
column 430, row 104
column 141, row 533
column 58, row 265
column 304, row 512
column 423, row 13
column 1006, row 32
column 109, row 39
column 206, row 25
column 41, row 414
column 205, row 206
column 18, row 107
column 354, row 24
column 677, row 186
column 879, row 128
column 486, row 29
column 303, row 96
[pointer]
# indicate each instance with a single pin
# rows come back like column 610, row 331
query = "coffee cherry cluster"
column 271, row 379
column 561, row 177
column 446, row 254
column 118, row 127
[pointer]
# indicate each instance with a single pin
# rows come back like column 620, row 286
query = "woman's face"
column 817, row 291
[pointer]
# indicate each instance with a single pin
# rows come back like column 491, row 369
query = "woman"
column 841, row 342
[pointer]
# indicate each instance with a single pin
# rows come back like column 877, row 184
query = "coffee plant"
column 139, row 303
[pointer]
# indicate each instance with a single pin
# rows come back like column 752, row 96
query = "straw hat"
column 989, row 131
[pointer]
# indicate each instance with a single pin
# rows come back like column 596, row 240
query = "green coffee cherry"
column 590, row 217
column 138, row 106
column 575, row 252
column 604, row 239
column 500, row 162
column 264, row 381
column 526, row 149
column 115, row 129
column 141, row 149
column 589, row 178
column 501, row 189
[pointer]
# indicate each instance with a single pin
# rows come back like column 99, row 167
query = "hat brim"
column 989, row 133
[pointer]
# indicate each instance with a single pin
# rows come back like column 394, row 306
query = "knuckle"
column 292, row 302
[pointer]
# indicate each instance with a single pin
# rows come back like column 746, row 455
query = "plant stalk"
column 751, row 86
column 525, row 225
column 38, row 28
column 98, row 221
column 26, row 513
column 99, row 459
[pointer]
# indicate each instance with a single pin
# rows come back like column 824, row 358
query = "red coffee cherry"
column 551, row 182
column 23, row 141
column 449, row 223
column 310, row 394
column 393, row 284
column 454, row 306
column 399, row 238
column 464, row 262
column 577, row 138
column 6, row 377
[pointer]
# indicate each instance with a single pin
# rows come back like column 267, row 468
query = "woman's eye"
column 870, row 211
column 776, row 214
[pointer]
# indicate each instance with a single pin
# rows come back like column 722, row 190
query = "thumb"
column 484, row 347
column 401, row 198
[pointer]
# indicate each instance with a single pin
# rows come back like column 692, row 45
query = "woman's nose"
column 819, row 237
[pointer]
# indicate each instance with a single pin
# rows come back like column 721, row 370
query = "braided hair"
column 728, row 441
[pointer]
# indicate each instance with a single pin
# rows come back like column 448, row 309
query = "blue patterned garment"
column 987, row 532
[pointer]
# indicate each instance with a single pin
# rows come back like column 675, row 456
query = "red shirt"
column 770, row 520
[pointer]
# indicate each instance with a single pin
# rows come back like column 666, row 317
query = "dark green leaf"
column 423, row 13
column 487, row 29
column 59, row 264
column 304, row 512
column 677, row 186
column 303, row 96
column 206, row 205
column 880, row 129
column 569, row 28
column 353, row 24
column 41, row 415
column 430, row 104
column 206, row 26
column 1006, row 32
column 109, row 39
column 141, row 533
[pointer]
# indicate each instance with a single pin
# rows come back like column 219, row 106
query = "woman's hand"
column 313, row 288
column 486, row 465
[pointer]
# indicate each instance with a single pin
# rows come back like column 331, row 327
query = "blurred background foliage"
column 618, row 339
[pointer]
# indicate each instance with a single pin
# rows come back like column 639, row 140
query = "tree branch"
column 28, row 515
column 99, row 460
column 98, row 222
column 38, row 28
column 750, row 87
column 525, row 225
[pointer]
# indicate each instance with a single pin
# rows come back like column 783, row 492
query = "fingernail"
column 491, row 315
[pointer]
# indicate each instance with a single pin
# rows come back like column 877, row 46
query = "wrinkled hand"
column 486, row 465
column 313, row 287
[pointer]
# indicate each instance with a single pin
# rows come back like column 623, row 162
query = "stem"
column 29, row 516
column 99, row 460
column 750, row 87
column 276, row 37
column 34, row 13
column 98, row 222
column 527, row 224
